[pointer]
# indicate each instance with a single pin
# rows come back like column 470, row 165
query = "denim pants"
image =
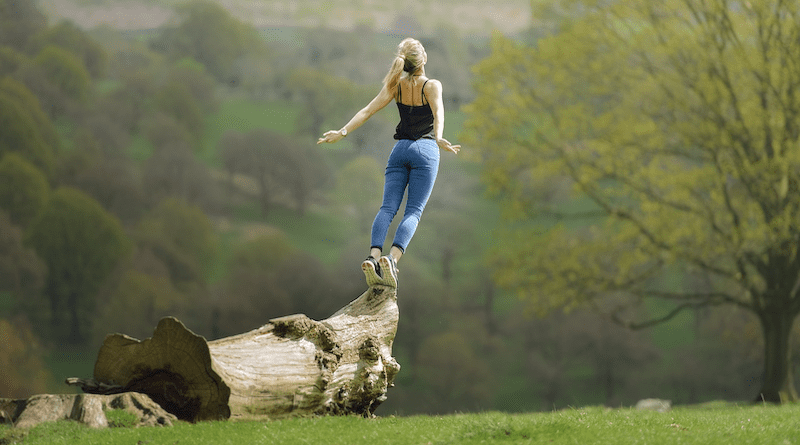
column 412, row 165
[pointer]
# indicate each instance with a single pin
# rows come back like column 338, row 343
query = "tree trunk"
column 290, row 366
column 778, row 383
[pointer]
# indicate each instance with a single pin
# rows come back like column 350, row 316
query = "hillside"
column 396, row 17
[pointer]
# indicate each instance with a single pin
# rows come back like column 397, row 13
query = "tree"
column 209, row 34
column 201, row 85
column 276, row 164
column 676, row 123
column 65, row 71
column 182, row 237
column 324, row 98
column 25, row 129
column 19, row 21
column 23, row 189
column 30, row 103
column 174, row 171
column 175, row 100
column 22, row 274
column 10, row 61
column 21, row 357
column 68, row 36
column 81, row 244
column 358, row 189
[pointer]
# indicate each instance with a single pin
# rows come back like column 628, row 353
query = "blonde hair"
column 410, row 58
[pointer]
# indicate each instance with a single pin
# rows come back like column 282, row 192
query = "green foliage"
column 264, row 253
column 10, row 61
column 325, row 98
column 175, row 100
column 81, row 244
column 276, row 163
column 19, row 20
column 26, row 130
column 209, row 34
column 29, row 101
column 24, row 373
column 68, row 36
column 23, row 189
column 22, row 276
column 64, row 70
column 680, row 132
column 358, row 189
column 450, row 368
column 181, row 236
column 201, row 85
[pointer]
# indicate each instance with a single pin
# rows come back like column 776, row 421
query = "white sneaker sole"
column 389, row 271
column 371, row 274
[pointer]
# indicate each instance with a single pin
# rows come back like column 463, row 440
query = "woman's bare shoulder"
column 433, row 86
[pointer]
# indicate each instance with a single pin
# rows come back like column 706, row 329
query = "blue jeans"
column 412, row 164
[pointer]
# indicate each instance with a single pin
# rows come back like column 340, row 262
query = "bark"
column 90, row 409
column 778, row 384
column 290, row 366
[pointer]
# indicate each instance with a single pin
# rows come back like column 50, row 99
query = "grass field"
column 706, row 424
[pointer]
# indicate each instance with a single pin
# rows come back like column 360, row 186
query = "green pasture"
column 709, row 424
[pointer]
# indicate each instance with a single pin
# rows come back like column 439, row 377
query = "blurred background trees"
column 676, row 126
column 174, row 171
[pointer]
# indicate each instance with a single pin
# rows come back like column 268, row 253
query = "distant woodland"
column 173, row 171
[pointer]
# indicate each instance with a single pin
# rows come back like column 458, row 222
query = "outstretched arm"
column 433, row 91
column 378, row 103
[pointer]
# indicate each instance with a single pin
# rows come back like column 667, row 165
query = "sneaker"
column 389, row 267
column 372, row 271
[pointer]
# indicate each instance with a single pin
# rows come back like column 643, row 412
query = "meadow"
column 712, row 423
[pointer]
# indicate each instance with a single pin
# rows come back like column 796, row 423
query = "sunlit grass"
column 712, row 424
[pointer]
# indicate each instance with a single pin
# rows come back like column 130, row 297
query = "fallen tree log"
column 89, row 409
column 291, row 366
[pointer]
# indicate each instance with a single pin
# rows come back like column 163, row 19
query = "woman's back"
column 411, row 93
column 416, row 116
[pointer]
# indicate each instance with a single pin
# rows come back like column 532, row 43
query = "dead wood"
column 291, row 366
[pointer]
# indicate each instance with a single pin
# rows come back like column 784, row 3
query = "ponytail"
column 410, row 59
column 393, row 76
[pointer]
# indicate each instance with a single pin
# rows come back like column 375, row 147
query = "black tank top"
column 416, row 122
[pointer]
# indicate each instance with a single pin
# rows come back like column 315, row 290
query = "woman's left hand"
column 330, row 137
column 444, row 144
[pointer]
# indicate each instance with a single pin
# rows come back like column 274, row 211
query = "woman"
column 414, row 161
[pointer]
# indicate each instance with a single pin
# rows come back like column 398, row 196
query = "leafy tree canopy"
column 29, row 101
column 10, row 61
column 182, row 236
column 211, row 35
column 81, row 244
column 26, row 130
column 19, row 20
column 671, row 128
column 64, row 70
column 68, row 36
column 23, row 189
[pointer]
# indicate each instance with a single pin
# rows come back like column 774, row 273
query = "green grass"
column 709, row 424
column 244, row 115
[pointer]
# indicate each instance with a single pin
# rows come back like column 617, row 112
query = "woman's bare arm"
column 378, row 103
column 433, row 91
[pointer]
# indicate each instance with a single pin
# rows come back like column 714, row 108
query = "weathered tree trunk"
column 778, row 384
column 90, row 409
column 290, row 366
